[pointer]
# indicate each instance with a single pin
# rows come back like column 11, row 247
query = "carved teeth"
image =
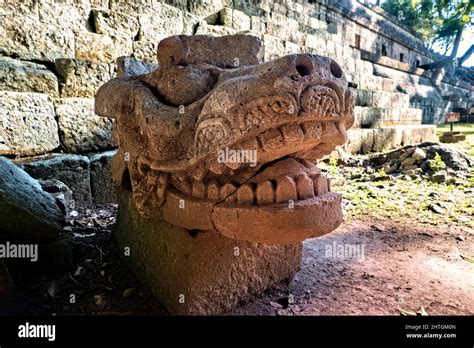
column 313, row 129
column 281, row 190
column 285, row 190
column 152, row 178
column 213, row 190
column 233, row 166
column 265, row 193
column 271, row 139
column 217, row 168
column 245, row 194
column 181, row 176
column 198, row 190
column 304, row 186
column 161, row 186
column 163, row 178
column 199, row 172
column 320, row 185
column 161, row 191
column 292, row 134
column 227, row 190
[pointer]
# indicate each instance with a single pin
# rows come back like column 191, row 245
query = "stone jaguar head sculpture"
column 213, row 139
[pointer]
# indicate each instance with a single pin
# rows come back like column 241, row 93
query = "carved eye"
column 303, row 66
column 336, row 70
column 211, row 134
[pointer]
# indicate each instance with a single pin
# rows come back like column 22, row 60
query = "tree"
column 439, row 22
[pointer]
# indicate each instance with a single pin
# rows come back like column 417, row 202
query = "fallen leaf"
column 128, row 293
column 422, row 312
column 275, row 304
column 469, row 259
column 406, row 313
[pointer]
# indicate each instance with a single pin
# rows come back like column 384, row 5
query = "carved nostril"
column 336, row 70
column 303, row 66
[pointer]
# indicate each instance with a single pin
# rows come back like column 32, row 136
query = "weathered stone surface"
column 160, row 23
column 136, row 6
column 20, row 76
column 81, row 78
column 387, row 138
column 61, row 193
column 235, row 19
column 419, row 154
column 73, row 170
column 360, row 141
column 156, row 25
column 145, row 51
column 28, row 39
column 26, row 211
column 381, row 139
column 129, row 66
column 28, row 124
column 80, row 129
column 95, row 47
column 204, row 9
column 102, row 186
column 204, row 273
column 203, row 28
column 228, row 51
column 123, row 29
column 274, row 47
column 374, row 117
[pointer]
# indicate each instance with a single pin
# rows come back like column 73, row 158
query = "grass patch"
column 466, row 129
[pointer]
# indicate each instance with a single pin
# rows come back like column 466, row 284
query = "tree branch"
column 447, row 60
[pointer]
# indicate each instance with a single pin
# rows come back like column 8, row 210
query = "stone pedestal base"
column 452, row 137
column 200, row 272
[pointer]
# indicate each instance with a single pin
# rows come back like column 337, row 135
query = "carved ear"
column 116, row 97
column 211, row 134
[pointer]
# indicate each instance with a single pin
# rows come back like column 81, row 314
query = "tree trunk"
column 447, row 60
column 466, row 55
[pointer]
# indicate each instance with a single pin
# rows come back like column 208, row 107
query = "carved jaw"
column 278, row 197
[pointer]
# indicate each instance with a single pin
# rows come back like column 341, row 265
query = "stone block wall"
column 54, row 54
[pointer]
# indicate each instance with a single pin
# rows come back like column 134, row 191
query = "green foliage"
column 333, row 162
column 438, row 21
column 437, row 164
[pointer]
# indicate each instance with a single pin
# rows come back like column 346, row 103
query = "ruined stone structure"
column 173, row 123
column 55, row 54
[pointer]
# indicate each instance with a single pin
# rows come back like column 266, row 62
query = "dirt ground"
column 401, row 266
column 405, row 266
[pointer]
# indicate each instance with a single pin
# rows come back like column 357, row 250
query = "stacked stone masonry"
column 55, row 54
